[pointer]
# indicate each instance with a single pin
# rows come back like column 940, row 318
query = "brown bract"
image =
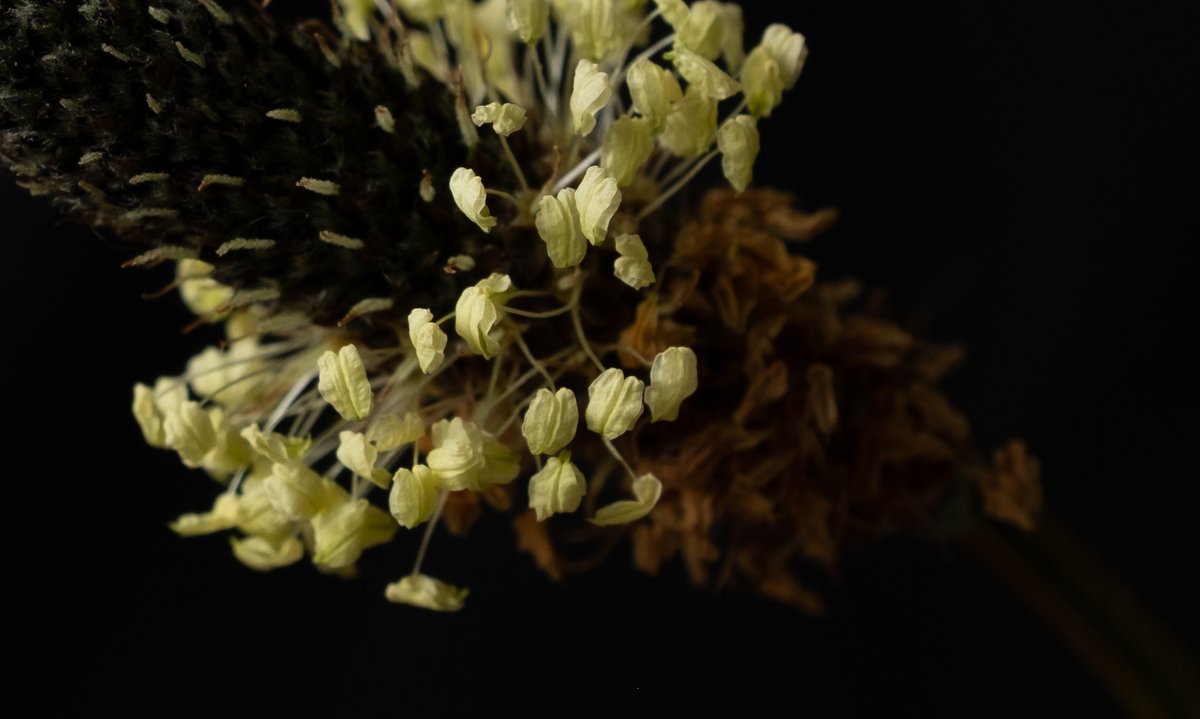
column 1012, row 488
column 818, row 423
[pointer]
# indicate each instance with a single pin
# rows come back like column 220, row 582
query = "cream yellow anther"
column 528, row 19
column 342, row 532
column 633, row 266
column 597, row 198
column 343, row 383
column 505, row 118
column 703, row 75
column 627, row 146
column 357, row 14
column 478, row 311
column 414, row 495
column 647, row 490
column 592, row 92
column 471, row 197
column 614, row 403
column 654, row 90
column 426, row 592
column 550, row 421
column 428, row 339
column 672, row 380
column 559, row 227
column 359, row 456
column 691, row 126
column 557, row 487
column 394, row 431
column 738, row 141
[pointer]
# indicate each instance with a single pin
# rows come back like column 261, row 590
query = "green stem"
column 1095, row 615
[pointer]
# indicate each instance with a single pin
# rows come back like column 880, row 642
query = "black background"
column 1022, row 179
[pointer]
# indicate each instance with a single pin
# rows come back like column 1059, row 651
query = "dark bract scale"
column 185, row 127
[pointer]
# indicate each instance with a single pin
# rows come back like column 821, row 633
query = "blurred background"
column 1021, row 181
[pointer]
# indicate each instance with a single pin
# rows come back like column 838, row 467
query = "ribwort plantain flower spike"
column 305, row 210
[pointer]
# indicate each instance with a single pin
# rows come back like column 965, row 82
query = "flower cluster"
column 598, row 121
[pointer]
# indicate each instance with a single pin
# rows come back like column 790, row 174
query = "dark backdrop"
column 1022, row 180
